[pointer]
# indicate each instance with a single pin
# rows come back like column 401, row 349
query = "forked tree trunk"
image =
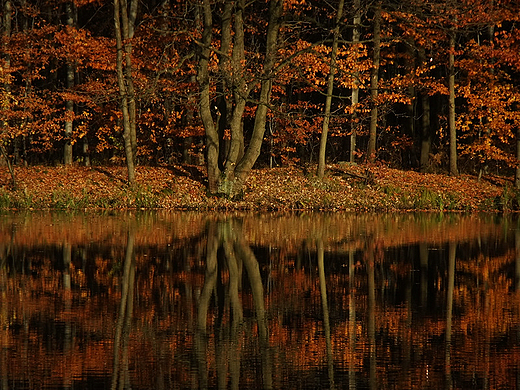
column 330, row 89
column 253, row 151
column 374, row 81
column 237, row 165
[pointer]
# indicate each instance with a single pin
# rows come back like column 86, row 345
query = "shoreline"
column 348, row 188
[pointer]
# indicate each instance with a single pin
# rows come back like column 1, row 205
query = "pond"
column 158, row 300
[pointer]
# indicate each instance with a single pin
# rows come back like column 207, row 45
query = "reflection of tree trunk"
column 4, row 328
column 253, row 271
column 517, row 271
column 210, row 282
column 234, row 275
column 222, row 238
column 120, row 373
column 326, row 318
column 423, row 257
column 67, row 337
column 449, row 309
column 351, row 322
column 372, row 318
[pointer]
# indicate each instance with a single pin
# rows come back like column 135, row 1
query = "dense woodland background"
column 428, row 85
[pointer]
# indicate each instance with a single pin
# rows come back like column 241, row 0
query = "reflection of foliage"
column 409, row 310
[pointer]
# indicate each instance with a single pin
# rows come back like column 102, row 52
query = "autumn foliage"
column 59, row 67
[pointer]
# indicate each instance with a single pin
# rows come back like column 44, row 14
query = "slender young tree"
column 70, row 76
column 330, row 89
column 124, row 22
column 451, row 106
column 356, row 34
column 6, row 82
column 374, row 83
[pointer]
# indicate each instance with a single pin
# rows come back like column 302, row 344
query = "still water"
column 254, row 301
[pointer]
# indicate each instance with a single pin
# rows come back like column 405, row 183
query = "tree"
column 355, row 89
column 236, row 169
column 451, row 106
column 374, row 79
column 70, row 76
column 330, row 88
column 124, row 21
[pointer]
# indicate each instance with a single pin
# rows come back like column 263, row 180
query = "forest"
column 431, row 86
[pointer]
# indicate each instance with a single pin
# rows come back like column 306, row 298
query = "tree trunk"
column 330, row 89
column 374, row 81
column 238, row 162
column 5, row 104
column 240, row 92
column 69, row 104
column 253, row 151
column 517, row 171
column 124, row 29
column 426, row 137
column 224, row 105
column 451, row 107
column 355, row 90
column 212, row 139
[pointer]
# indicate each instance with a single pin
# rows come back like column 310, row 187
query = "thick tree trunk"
column 238, row 162
column 451, row 107
column 356, row 33
column 212, row 139
column 374, row 81
column 330, row 89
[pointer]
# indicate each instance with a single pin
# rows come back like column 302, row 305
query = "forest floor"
column 345, row 187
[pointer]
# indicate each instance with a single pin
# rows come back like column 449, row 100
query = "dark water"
column 312, row 301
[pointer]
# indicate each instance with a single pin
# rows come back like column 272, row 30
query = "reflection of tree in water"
column 121, row 373
column 227, row 256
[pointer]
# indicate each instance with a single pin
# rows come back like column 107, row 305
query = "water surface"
column 253, row 301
